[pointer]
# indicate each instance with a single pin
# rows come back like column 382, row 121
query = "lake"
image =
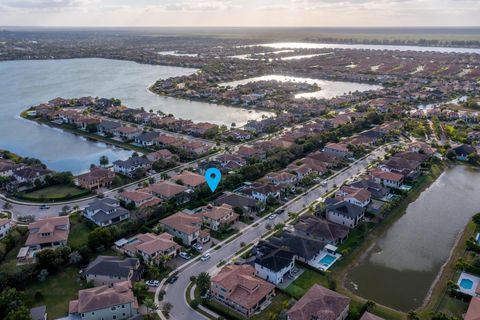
column 329, row 89
column 25, row 83
column 405, row 261
column 311, row 45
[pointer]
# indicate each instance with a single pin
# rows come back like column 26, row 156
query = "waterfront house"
column 237, row 287
column 273, row 263
column 164, row 155
column 376, row 190
column 96, row 178
column 127, row 133
column 107, row 127
column 105, row 212
column 216, row 217
column 150, row 246
column 186, row 227
column 139, row 198
column 5, row 227
column 463, row 151
column 321, row 229
column 129, row 166
column 105, row 302
column 147, row 139
column 110, row 269
column 387, row 179
column 28, row 175
column 473, row 312
column 357, row 196
column 8, row 167
column 306, row 249
column 345, row 213
column 318, row 302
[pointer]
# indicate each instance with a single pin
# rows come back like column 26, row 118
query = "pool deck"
column 317, row 264
column 475, row 290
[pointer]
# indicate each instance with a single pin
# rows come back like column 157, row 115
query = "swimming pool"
column 466, row 284
column 327, row 260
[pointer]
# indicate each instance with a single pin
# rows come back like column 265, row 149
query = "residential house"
column 247, row 204
column 167, row 190
column 47, row 233
column 273, row 263
column 186, row 227
column 251, row 153
column 321, row 229
column 357, row 196
column 263, row 191
column 110, row 269
column 189, row 179
column 107, row 127
column 387, row 179
column 376, row 190
column 164, row 155
column 96, row 178
column 147, row 139
column 215, row 218
column 151, row 247
column 30, row 174
column 8, row 167
column 328, row 160
column 319, row 302
column 139, row 198
column 463, row 151
column 338, row 149
column 105, row 212
column 407, row 168
column 237, row 287
column 473, row 312
column 129, row 166
column 127, row 133
column 105, row 302
column 282, row 178
column 345, row 213
column 306, row 249
column 5, row 227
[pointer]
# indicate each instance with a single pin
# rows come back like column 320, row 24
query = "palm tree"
column 150, row 305
column 203, row 282
column 412, row 315
column 104, row 161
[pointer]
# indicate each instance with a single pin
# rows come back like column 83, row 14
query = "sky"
column 334, row 13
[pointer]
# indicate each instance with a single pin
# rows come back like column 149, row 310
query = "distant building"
column 5, row 227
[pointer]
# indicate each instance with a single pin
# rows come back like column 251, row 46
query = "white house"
column 345, row 213
column 273, row 263
column 5, row 227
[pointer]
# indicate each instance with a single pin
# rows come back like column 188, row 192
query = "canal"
column 401, row 267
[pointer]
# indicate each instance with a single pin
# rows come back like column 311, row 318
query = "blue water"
column 466, row 284
column 327, row 260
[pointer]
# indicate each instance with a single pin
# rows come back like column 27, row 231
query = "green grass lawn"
column 52, row 193
column 279, row 303
column 306, row 280
column 452, row 306
column 56, row 291
column 79, row 230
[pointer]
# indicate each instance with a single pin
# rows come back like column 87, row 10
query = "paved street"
column 175, row 293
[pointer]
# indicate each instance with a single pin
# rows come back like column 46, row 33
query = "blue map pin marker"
column 213, row 177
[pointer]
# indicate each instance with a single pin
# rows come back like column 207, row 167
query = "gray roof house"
column 109, row 269
column 128, row 167
column 104, row 212
column 345, row 213
column 321, row 229
column 305, row 249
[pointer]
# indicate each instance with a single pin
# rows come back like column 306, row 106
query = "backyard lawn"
column 55, row 292
column 306, row 280
column 52, row 193
column 79, row 230
column 279, row 303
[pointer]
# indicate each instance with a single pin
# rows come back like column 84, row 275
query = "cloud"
column 42, row 4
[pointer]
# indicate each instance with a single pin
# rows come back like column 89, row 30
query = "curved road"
column 175, row 293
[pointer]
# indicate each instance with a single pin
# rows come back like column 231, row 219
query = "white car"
column 152, row 283
column 185, row 255
column 272, row 216
column 197, row 247
column 205, row 257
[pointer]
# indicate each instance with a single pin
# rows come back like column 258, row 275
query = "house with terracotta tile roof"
column 167, row 190
column 96, row 178
column 214, row 217
column 357, row 196
column 105, row 302
column 236, row 287
column 189, row 179
column 151, row 247
column 320, row 303
column 473, row 312
column 45, row 233
column 139, row 198
column 186, row 227
column 338, row 149
column 162, row 154
column 387, row 179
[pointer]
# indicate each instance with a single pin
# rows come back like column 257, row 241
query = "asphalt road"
column 175, row 293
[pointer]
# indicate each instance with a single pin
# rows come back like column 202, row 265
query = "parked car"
column 185, row 255
column 152, row 283
column 205, row 257
column 197, row 247
column 272, row 216
column 172, row 279
column 44, row 207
